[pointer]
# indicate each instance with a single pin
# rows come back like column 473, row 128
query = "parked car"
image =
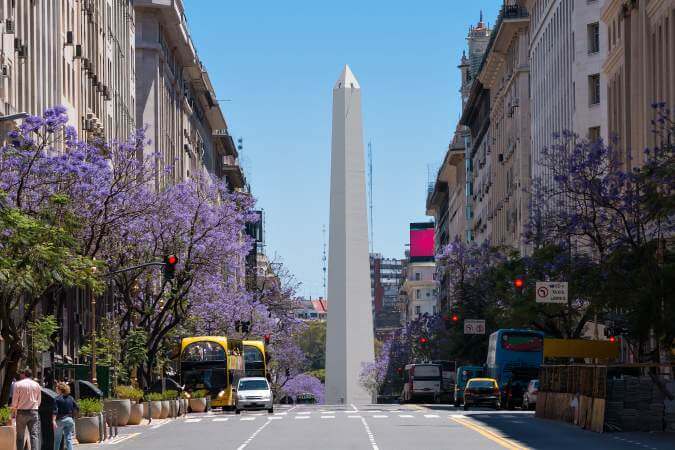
column 253, row 393
column 482, row 391
column 530, row 395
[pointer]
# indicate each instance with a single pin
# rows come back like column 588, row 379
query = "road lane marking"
column 274, row 418
column 247, row 418
column 355, row 408
column 432, row 416
column 122, row 439
column 405, row 416
column 255, row 433
column 280, row 414
column 302, row 417
column 487, row 433
column 220, row 419
column 380, row 416
column 304, row 412
column 192, row 420
column 371, row 437
column 328, row 417
column 354, row 417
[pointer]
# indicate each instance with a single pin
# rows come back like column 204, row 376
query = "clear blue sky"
column 278, row 60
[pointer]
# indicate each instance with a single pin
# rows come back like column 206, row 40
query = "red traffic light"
column 423, row 340
column 612, row 339
column 518, row 283
column 172, row 260
column 455, row 318
column 267, row 339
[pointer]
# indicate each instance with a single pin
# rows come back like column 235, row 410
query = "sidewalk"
column 132, row 431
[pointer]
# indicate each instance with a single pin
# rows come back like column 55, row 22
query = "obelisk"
column 349, row 341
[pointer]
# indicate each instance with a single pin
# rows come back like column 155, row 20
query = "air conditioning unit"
column 9, row 26
column 78, row 51
column 22, row 52
column 4, row 71
column 88, row 125
column 69, row 38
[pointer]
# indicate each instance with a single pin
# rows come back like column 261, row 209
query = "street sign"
column 474, row 326
column 551, row 292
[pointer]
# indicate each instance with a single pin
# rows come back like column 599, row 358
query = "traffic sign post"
column 551, row 292
column 474, row 326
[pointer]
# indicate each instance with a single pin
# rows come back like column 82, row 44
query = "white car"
column 253, row 393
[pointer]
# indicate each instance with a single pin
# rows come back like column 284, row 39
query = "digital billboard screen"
column 421, row 242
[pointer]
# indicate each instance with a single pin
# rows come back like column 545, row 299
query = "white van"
column 422, row 381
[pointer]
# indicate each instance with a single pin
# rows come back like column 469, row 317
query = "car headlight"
column 221, row 393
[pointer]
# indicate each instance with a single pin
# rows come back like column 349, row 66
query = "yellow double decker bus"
column 216, row 363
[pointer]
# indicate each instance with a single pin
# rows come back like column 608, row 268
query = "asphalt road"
column 376, row 427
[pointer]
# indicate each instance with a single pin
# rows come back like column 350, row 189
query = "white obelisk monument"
column 349, row 341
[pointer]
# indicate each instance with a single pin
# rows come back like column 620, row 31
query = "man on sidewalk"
column 25, row 404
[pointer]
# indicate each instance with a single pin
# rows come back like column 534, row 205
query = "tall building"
column 386, row 277
column 567, row 48
column 76, row 54
column 419, row 293
column 176, row 101
column 640, row 69
column 349, row 337
column 498, row 116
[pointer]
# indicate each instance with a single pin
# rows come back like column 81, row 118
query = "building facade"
column 386, row 277
column 419, row 293
column 176, row 102
column 78, row 54
column 640, row 69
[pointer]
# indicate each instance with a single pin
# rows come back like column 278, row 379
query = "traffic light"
column 424, row 340
column 288, row 373
column 455, row 318
column 267, row 339
column 170, row 262
column 612, row 339
column 519, row 284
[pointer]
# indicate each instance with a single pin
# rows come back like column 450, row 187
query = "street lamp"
column 93, row 333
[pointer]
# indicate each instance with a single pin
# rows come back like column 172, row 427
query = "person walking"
column 64, row 410
column 25, row 404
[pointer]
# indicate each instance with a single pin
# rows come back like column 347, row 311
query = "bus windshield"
column 203, row 351
column 254, row 364
column 209, row 378
column 424, row 371
column 522, row 342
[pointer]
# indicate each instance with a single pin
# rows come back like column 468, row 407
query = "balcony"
column 227, row 141
column 511, row 19
column 232, row 172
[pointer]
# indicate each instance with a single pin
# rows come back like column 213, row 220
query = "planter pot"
column 165, row 409
column 183, row 406
column 87, row 429
column 152, row 409
column 198, row 404
column 7, row 438
column 176, row 407
column 137, row 413
column 118, row 411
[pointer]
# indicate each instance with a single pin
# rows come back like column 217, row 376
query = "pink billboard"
column 421, row 241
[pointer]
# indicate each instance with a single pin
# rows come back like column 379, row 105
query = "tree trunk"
column 11, row 369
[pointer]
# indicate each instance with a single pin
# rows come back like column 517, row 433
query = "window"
column 418, row 276
column 593, row 134
column 434, row 309
column 594, row 89
column 418, row 309
column 593, row 37
column 418, row 293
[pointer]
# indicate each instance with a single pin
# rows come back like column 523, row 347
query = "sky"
column 274, row 64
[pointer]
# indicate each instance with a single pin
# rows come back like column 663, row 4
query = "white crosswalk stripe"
column 221, row 419
column 380, row 416
column 192, row 420
column 405, row 416
column 302, row 417
column 431, row 416
column 247, row 418
column 328, row 417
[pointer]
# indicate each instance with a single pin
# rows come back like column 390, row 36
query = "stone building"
column 79, row 54
column 640, row 69
column 176, row 100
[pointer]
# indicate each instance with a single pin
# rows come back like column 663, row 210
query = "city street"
column 376, row 427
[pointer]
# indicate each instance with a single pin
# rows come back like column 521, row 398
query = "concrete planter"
column 152, row 409
column 118, row 410
column 166, row 409
column 137, row 413
column 176, row 407
column 87, row 429
column 197, row 404
column 7, row 438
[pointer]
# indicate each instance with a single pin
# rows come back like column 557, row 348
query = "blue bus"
column 513, row 359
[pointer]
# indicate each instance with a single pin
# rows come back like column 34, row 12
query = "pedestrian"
column 64, row 410
column 25, row 404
